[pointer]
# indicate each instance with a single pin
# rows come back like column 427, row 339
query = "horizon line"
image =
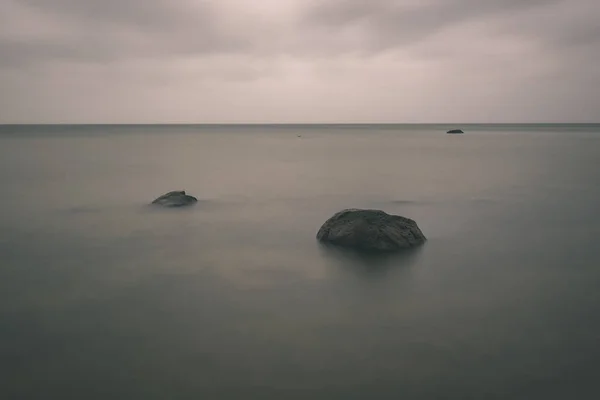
column 284, row 123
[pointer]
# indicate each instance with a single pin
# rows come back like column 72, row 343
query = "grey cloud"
column 388, row 23
column 151, row 14
column 582, row 35
column 317, row 60
column 109, row 30
column 16, row 54
column 570, row 26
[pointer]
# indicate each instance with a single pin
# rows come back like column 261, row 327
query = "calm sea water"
column 103, row 297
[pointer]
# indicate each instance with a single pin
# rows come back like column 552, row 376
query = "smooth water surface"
column 104, row 297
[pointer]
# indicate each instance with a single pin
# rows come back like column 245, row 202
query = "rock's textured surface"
column 371, row 230
column 176, row 198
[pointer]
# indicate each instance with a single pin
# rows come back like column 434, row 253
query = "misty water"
column 105, row 297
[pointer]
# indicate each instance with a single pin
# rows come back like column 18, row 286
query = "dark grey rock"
column 371, row 230
column 455, row 131
column 177, row 198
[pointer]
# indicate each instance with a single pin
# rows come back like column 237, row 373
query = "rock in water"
column 176, row 198
column 455, row 131
column 371, row 230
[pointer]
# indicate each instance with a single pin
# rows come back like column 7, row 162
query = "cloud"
column 298, row 60
column 89, row 30
column 150, row 14
column 386, row 24
column 94, row 31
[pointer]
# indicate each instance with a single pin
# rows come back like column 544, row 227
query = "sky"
column 299, row 61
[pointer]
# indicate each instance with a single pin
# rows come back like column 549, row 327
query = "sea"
column 103, row 296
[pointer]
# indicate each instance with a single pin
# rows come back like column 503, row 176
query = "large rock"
column 177, row 198
column 455, row 131
column 371, row 230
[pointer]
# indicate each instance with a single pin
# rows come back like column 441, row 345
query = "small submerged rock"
column 455, row 131
column 371, row 230
column 177, row 198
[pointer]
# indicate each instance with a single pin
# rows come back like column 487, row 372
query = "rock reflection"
column 370, row 263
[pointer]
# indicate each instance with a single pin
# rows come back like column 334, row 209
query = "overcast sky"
column 120, row 61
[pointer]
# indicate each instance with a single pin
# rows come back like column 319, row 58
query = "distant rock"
column 176, row 198
column 455, row 131
column 371, row 230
